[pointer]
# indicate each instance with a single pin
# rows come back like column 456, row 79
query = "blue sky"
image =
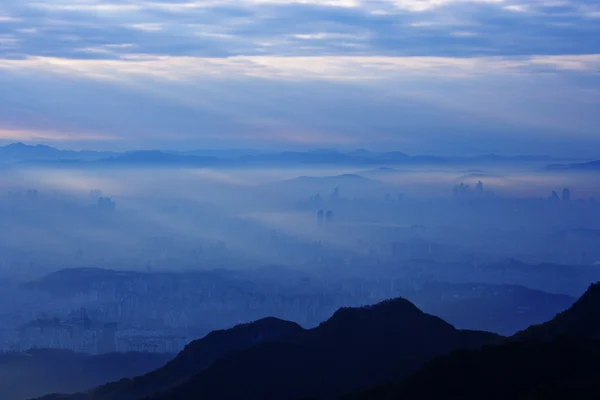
column 421, row 76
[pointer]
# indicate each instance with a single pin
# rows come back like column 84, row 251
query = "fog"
column 163, row 254
column 173, row 219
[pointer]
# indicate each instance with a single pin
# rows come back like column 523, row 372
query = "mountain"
column 355, row 348
column 319, row 157
column 72, row 281
column 196, row 356
column 588, row 166
column 503, row 309
column 582, row 320
column 20, row 152
column 17, row 152
column 155, row 157
column 559, row 359
column 40, row 371
column 557, row 370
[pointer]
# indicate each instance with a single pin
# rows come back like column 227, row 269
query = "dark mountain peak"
column 581, row 320
column 393, row 308
column 588, row 303
column 265, row 329
column 274, row 359
column 391, row 320
column 197, row 356
column 200, row 353
column 355, row 348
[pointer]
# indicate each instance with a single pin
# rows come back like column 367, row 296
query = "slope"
column 354, row 349
column 555, row 360
column 194, row 358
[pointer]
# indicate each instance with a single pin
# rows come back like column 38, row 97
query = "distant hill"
column 73, row 281
column 41, row 371
column 154, row 157
column 588, row 166
column 356, row 348
column 16, row 152
column 20, row 152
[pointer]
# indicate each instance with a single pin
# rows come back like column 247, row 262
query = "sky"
column 420, row 76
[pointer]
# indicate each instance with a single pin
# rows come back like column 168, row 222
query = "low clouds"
column 343, row 68
column 286, row 73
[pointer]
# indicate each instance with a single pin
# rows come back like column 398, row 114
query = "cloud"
column 350, row 68
column 283, row 27
column 37, row 135
column 415, row 73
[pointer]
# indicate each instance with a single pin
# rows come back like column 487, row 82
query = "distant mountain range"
column 588, row 166
column 19, row 152
column 22, row 153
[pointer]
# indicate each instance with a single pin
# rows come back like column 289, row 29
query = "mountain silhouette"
column 559, row 359
column 272, row 359
column 566, row 368
column 355, row 348
column 155, row 157
column 581, row 320
column 587, row 166
column 24, row 152
column 194, row 358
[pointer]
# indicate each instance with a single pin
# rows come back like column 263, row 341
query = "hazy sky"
column 421, row 76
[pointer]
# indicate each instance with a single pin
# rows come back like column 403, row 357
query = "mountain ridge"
column 293, row 364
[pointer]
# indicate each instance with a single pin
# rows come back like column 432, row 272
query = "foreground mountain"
column 38, row 372
column 582, row 320
column 194, row 358
column 562, row 369
column 355, row 349
column 503, row 309
column 559, row 359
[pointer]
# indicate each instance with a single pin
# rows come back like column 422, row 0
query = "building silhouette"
column 320, row 217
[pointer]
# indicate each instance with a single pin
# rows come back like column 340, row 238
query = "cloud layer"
column 268, row 72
